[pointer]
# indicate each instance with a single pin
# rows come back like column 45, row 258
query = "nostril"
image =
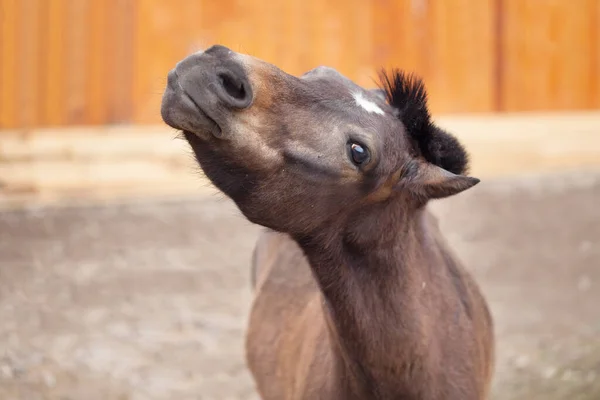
column 232, row 86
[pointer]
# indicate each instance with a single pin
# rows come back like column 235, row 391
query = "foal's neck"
column 365, row 257
column 371, row 275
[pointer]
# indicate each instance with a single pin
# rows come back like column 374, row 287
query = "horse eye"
column 358, row 153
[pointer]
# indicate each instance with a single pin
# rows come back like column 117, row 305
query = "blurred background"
column 81, row 79
column 123, row 275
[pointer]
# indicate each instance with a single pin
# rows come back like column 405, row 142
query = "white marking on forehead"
column 367, row 104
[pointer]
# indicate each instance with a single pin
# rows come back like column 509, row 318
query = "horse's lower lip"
column 216, row 128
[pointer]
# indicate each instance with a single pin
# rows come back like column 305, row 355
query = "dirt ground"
column 149, row 300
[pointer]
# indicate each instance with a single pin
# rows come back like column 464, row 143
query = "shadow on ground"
column 149, row 301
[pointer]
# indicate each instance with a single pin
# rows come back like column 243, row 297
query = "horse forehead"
column 322, row 71
column 328, row 77
column 330, row 83
column 366, row 104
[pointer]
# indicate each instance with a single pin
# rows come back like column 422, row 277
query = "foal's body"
column 295, row 352
column 357, row 295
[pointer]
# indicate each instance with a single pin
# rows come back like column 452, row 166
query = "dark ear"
column 428, row 181
column 406, row 93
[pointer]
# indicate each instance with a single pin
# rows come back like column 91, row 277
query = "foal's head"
column 295, row 153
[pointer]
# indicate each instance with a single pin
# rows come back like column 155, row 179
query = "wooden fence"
column 74, row 62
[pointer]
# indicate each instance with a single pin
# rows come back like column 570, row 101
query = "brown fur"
column 358, row 295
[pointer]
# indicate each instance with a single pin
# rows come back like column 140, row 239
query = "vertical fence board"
column 119, row 62
column 53, row 64
column 548, row 48
column 263, row 32
column 8, row 63
column 364, row 73
column 462, row 72
column 165, row 32
column 449, row 44
column 400, row 32
column 96, row 100
column 76, row 64
column 296, row 28
column 97, row 61
column 595, row 33
column 318, row 42
column 29, row 96
column 147, row 47
column 348, row 38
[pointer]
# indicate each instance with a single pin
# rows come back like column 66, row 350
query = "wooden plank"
column 348, row 41
column 8, row 66
column 265, row 33
column 89, row 142
column 548, row 50
column 29, row 95
column 52, row 161
column 76, row 66
column 165, row 33
column 92, row 61
column 462, row 72
column 566, row 132
column 86, row 162
column 449, row 44
column 365, row 72
column 54, row 69
column 527, row 143
column 144, row 44
column 224, row 23
column 96, row 93
column 316, row 33
column 119, row 61
column 319, row 42
column 84, row 197
column 294, row 61
column 399, row 29
column 58, row 175
column 596, row 55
